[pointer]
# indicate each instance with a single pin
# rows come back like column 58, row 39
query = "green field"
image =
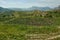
column 25, row 32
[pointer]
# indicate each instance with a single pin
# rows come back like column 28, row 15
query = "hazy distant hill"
column 4, row 9
column 5, row 12
column 57, row 8
column 40, row 8
column 31, row 8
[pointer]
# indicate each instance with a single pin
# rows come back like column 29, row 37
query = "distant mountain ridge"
column 4, row 9
column 28, row 9
column 31, row 8
column 58, row 8
column 40, row 8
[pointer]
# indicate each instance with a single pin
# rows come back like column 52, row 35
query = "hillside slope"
column 35, row 17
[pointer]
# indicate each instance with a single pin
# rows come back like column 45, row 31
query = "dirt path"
column 54, row 37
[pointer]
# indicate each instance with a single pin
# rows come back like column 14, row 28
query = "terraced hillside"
column 36, row 17
column 30, row 25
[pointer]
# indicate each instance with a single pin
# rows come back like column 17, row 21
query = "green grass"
column 18, row 32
